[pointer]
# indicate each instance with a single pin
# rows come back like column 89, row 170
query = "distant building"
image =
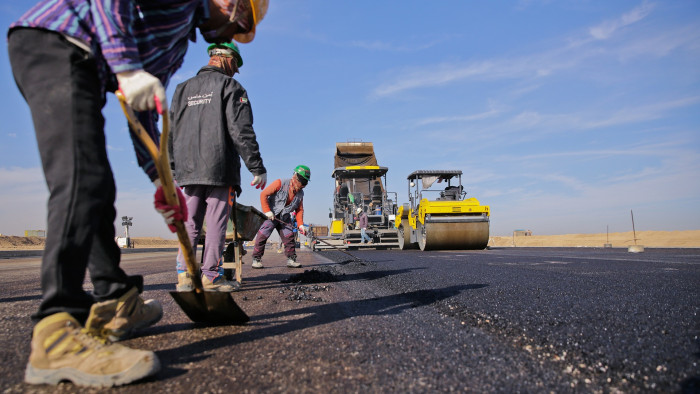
column 522, row 233
column 35, row 233
column 318, row 231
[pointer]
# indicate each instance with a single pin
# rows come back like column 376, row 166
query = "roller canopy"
column 444, row 174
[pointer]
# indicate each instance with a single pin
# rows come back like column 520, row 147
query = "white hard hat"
column 359, row 210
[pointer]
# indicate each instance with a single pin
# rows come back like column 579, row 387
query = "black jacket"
column 212, row 129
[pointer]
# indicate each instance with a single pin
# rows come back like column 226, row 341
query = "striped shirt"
column 125, row 35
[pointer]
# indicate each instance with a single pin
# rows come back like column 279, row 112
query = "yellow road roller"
column 439, row 216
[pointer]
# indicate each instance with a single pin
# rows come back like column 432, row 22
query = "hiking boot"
column 256, row 263
column 184, row 282
column 292, row 262
column 62, row 350
column 118, row 319
column 221, row 284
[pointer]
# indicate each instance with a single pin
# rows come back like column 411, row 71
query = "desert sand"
column 37, row 243
column 648, row 239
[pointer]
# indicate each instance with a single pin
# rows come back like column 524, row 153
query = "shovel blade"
column 210, row 307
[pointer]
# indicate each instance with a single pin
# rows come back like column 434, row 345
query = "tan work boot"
column 62, row 350
column 292, row 262
column 221, row 284
column 184, row 282
column 118, row 319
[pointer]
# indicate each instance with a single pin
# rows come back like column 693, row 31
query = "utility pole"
column 634, row 248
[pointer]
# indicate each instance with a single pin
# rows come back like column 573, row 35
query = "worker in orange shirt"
column 281, row 201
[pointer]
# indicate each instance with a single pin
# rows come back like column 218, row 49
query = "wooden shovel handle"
column 162, row 163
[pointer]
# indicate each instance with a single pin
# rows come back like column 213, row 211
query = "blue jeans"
column 363, row 234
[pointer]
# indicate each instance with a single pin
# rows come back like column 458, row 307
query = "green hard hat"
column 303, row 171
column 227, row 45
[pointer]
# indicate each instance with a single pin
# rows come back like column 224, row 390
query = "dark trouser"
column 60, row 83
column 213, row 205
column 264, row 233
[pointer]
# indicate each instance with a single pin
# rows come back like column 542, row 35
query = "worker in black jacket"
column 212, row 130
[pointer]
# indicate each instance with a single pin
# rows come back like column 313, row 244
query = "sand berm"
column 648, row 239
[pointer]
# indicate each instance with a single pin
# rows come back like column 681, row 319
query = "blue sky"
column 563, row 115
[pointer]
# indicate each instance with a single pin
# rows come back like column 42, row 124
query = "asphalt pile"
column 302, row 292
column 312, row 276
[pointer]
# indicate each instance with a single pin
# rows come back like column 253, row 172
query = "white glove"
column 141, row 90
column 270, row 215
column 259, row 181
column 302, row 229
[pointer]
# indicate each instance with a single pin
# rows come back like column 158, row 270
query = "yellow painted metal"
column 359, row 172
column 351, row 168
column 469, row 206
column 411, row 219
column 337, row 227
column 405, row 217
column 405, row 222
column 401, row 214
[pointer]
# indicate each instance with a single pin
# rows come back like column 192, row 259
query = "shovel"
column 339, row 250
column 289, row 227
column 199, row 305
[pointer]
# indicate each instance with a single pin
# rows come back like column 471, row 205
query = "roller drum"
column 464, row 235
column 405, row 238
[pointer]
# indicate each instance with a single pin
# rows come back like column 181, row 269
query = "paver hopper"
column 441, row 218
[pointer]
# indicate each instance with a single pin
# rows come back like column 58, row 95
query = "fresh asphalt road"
column 499, row 320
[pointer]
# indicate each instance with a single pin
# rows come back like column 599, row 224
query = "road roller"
column 438, row 214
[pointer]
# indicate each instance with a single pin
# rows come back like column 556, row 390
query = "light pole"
column 126, row 222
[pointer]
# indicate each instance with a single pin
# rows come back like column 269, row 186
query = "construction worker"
column 364, row 221
column 65, row 56
column 283, row 204
column 212, row 130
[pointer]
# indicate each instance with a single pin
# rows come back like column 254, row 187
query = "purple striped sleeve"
column 113, row 26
